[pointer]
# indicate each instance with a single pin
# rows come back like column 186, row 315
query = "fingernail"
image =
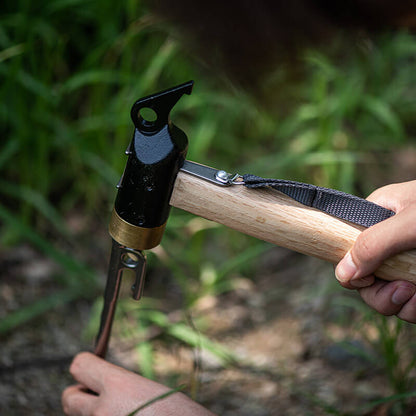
column 402, row 294
column 363, row 282
column 346, row 269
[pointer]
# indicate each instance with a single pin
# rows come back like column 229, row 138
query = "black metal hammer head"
column 155, row 155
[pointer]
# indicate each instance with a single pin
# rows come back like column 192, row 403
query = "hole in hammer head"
column 148, row 115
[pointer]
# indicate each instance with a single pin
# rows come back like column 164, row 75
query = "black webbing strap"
column 339, row 204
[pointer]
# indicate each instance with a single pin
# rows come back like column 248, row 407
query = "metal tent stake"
column 121, row 258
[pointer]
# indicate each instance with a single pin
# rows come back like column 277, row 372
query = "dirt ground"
column 284, row 325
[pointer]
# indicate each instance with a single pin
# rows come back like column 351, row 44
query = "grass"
column 70, row 72
column 161, row 397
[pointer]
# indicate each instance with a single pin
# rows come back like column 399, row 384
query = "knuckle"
column 65, row 406
column 77, row 362
column 73, row 369
column 408, row 311
column 66, row 401
column 377, row 297
column 408, row 317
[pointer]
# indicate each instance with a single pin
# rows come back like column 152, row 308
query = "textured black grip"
column 339, row 204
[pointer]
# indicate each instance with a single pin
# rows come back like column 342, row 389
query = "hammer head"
column 155, row 155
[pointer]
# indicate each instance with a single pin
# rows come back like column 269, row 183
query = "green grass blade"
column 82, row 274
column 156, row 399
column 38, row 202
column 40, row 306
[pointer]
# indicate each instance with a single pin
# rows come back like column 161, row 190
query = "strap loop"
column 339, row 204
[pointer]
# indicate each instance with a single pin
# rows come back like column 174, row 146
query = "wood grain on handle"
column 274, row 217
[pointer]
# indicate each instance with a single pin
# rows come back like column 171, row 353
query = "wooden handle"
column 274, row 217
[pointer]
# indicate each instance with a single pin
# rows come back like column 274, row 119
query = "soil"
column 296, row 343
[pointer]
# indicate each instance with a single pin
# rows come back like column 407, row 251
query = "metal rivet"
column 222, row 176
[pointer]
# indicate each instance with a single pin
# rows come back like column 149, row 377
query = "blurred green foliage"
column 70, row 71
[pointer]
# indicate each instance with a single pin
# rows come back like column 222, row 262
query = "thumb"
column 373, row 246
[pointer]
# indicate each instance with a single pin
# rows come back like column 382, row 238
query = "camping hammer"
column 157, row 176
